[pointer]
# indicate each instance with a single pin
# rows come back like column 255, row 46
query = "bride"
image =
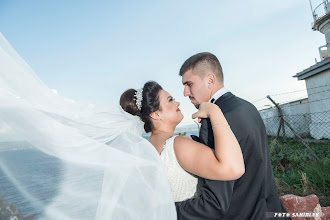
column 84, row 161
column 182, row 156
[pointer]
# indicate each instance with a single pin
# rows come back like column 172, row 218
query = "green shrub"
column 297, row 172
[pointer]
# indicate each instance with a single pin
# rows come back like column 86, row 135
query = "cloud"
column 54, row 91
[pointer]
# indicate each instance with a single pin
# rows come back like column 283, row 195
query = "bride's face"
column 169, row 108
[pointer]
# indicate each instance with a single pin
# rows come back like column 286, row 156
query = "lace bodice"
column 183, row 184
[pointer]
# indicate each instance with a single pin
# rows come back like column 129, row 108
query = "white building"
column 317, row 79
column 309, row 117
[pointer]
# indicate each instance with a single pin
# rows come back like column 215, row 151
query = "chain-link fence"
column 308, row 131
column 299, row 147
column 307, row 125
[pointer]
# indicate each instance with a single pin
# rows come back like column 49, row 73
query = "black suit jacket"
column 255, row 193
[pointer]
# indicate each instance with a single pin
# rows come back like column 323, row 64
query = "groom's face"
column 195, row 87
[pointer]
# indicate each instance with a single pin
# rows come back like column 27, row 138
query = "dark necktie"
column 212, row 100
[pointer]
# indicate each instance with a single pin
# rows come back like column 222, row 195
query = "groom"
column 254, row 195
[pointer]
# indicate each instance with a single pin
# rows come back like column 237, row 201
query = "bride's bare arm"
column 225, row 163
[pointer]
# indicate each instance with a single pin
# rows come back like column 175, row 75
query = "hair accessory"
column 138, row 98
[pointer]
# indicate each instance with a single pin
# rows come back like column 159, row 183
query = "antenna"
column 310, row 3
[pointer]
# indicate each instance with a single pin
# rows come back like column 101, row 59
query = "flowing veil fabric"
column 94, row 162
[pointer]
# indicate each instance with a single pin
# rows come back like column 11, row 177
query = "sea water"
column 29, row 175
column 37, row 179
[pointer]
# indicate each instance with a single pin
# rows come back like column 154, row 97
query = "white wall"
column 295, row 113
column 318, row 89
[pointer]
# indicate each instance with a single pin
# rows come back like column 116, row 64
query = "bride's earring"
column 159, row 118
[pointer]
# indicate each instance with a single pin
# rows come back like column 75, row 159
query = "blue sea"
column 18, row 162
column 42, row 183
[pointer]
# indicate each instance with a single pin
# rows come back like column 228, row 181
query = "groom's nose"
column 186, row 91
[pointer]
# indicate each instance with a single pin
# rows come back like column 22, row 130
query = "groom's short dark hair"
column 207, row 61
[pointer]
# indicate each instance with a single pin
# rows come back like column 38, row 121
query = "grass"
column 298, row 172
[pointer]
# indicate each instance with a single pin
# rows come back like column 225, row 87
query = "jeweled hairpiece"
column 138, row 98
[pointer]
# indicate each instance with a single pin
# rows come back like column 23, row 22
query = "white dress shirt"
column 218, row 94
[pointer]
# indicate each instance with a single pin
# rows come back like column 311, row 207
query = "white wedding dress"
column 184, row 185
column 105, row 168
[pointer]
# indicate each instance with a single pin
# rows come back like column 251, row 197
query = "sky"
column 92, row 51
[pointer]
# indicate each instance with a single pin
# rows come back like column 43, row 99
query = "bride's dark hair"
column 150, row 103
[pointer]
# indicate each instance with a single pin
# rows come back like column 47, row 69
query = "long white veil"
column 82, row 162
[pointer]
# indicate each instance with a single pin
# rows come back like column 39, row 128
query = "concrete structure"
column 296, row 113
column 317, row 79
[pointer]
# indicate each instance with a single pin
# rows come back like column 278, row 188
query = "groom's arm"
column 212, row 203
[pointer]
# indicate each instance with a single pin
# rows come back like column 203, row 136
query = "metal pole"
column 325, row 5
column 314, row 17
column 278, row 130
column 281, row 123
column 302, row 141
column 293, row 131
column 284, row 137
column 310, row 3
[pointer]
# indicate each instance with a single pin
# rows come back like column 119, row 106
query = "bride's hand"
column 205, row 110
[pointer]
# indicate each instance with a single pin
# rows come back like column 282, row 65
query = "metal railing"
column 321, row 10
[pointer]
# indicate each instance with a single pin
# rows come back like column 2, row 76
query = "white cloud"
column 54, row 91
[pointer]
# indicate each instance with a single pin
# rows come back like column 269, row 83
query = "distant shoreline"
column 23, row 145
column 14, row 145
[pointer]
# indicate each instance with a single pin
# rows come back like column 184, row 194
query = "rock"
column 9, row 211
column 326, row 213
column 302, row 208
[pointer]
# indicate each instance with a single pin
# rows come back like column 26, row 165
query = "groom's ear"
column 211, row 80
